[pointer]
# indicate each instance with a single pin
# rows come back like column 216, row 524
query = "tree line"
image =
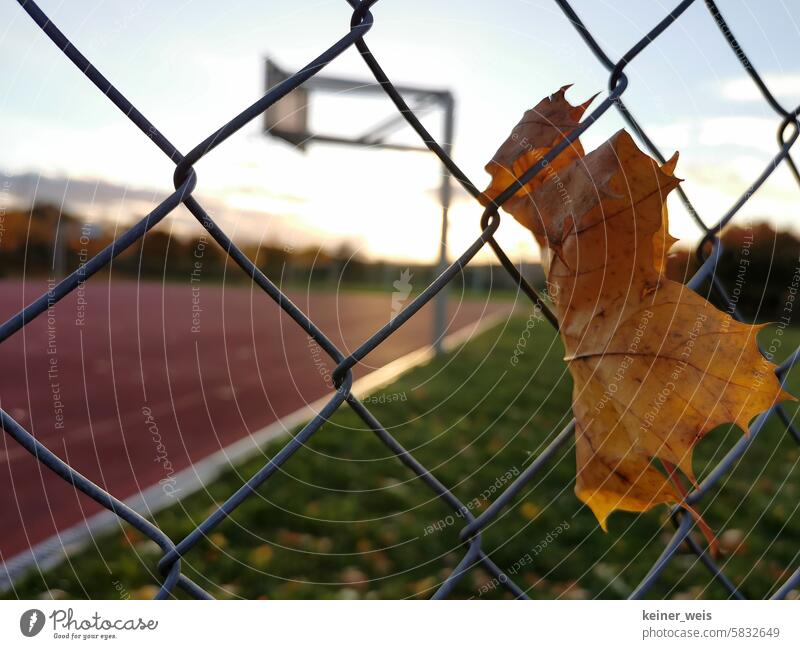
column 47, row 241
column 759, row 265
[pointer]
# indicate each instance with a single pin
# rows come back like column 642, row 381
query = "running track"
column 81, row 388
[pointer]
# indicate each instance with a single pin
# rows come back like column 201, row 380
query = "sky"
column 190, row 66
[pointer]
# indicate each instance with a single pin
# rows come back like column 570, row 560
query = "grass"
column 344, row 519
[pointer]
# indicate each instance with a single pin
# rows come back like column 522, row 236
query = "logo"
column 31, row 622
column 402, row 291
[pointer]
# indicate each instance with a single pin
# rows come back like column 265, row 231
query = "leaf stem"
column 677, row 482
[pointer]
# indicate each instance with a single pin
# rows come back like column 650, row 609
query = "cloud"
column 264, row 216
column 742, row 132
column 29, row 188
column 742, row 89
column 752, row 132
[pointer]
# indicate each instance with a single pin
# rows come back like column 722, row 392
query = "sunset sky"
column 190, row 66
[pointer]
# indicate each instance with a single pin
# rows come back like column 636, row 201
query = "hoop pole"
column 445, row 193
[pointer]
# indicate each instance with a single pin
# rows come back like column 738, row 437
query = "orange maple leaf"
column 654, row 365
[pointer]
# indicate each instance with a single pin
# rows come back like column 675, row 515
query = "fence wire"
column 185, row 180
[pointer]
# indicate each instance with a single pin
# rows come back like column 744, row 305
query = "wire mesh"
column 185, row 180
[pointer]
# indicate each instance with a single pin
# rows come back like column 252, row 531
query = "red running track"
column 81, row 377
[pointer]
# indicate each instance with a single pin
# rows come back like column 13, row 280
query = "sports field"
column 344, row 519
column 132, row 382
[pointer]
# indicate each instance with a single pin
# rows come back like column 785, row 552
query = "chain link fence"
column 185, row 181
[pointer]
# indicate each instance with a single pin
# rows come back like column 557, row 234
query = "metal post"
column 59, row 265
column 440, row 304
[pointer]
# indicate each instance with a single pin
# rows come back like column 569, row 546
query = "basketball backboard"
column 287, row 118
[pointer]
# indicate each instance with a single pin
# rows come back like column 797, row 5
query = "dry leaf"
column 654, row 365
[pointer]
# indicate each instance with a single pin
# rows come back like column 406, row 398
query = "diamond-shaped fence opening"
column 185, row 181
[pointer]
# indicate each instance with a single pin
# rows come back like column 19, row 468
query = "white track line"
column 153, row 499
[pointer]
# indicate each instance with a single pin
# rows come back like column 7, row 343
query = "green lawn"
column 346, row 520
